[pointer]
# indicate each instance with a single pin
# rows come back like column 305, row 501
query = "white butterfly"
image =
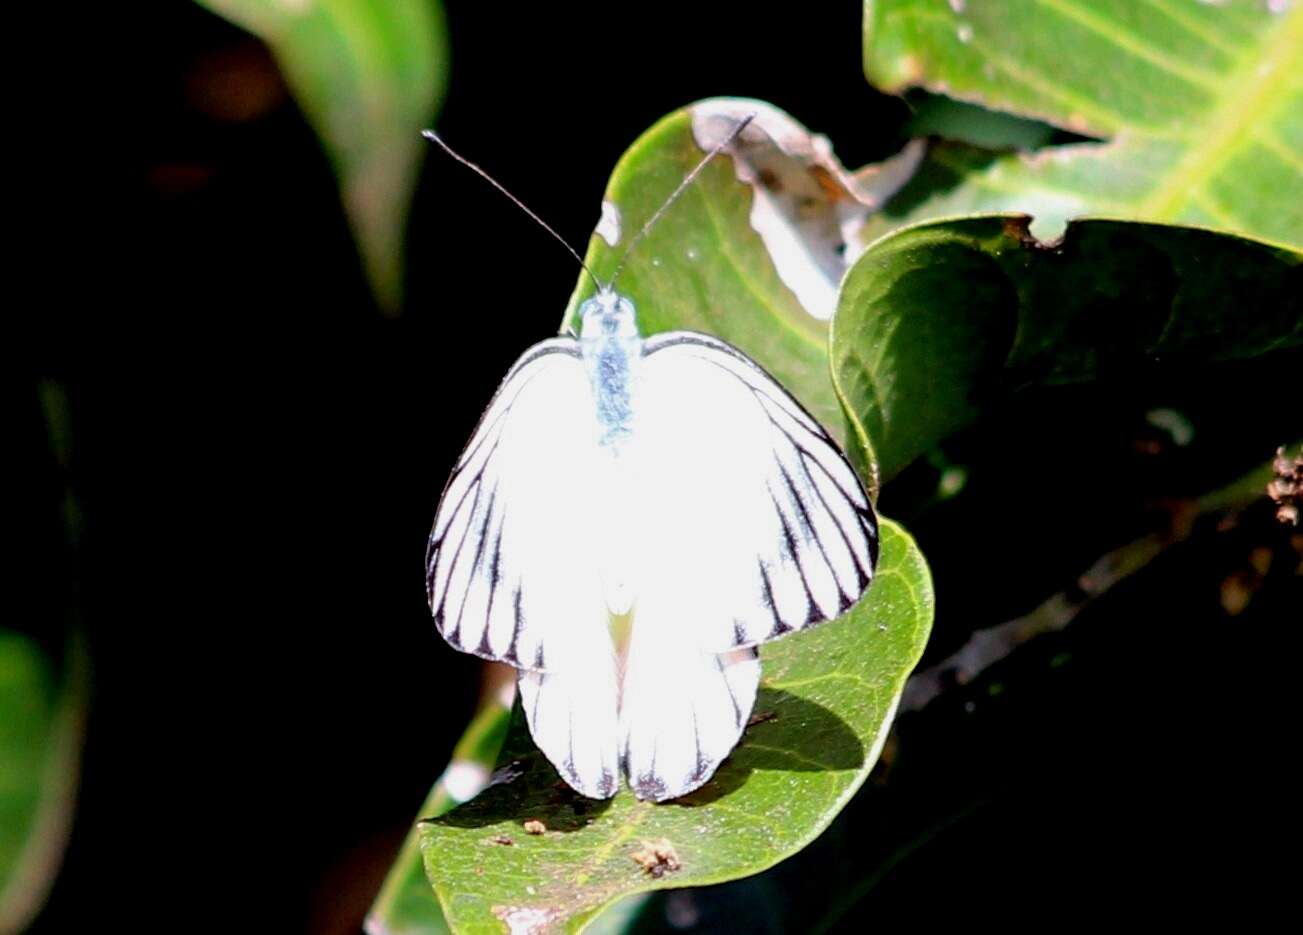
column 630, row 520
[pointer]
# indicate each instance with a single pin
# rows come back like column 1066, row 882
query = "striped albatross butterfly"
column 631, row 518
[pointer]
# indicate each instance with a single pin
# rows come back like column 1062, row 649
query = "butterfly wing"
column 783, row 534
column 682, row 709
column 754, row 525
column 513, row 570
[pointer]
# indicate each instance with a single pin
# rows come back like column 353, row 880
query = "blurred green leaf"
column 369, row 77
column 823, row 711
column 1201, row 104
column 406, row 904
column 939, row 319
column 42, row 716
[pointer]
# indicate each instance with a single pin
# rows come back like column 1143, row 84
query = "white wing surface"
column 728, row 518
column 683, row 710
column 751, row 525
column 514, row 567
column 755, row 512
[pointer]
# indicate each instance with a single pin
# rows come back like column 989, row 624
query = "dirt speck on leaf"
column 1286, row 487
column 657, row 857
column 1018, row 228
column 909, row 71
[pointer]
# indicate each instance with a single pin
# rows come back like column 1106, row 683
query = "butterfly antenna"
column 434, row 138
column 687, row 180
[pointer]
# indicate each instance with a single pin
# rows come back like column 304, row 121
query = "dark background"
column 258, row 453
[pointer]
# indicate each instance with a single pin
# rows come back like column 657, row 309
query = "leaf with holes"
column 1200, row 106
column 368, row 76
column 823, row 711
column 753, row 250
column 939, row 320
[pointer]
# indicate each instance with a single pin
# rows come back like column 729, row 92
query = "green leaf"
column 940, row 116
column 822, row 714
column 369, row 77
column 406, row 905
column 42, row 716
column 751, row 251
column 940, row 319
column 1201, row 105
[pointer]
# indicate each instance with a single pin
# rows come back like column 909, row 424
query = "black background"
column 258, row 454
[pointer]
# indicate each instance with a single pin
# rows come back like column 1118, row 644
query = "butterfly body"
column 631, row 518
column 611, row 349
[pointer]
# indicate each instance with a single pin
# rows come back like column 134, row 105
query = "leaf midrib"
column 1261, row 74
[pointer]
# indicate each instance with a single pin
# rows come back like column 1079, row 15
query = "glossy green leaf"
column 42, row 715
column 406, row 904
column 823, row 711
column 751, row 251
column 1200, row 105
column 938, row 320
column 369, row 77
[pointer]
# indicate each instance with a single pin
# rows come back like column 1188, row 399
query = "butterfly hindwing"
column 573, row 719
column 683, row 710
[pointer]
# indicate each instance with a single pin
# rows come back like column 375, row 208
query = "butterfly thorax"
column 612, row 347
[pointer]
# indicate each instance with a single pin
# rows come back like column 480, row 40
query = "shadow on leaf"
column 789, row 734
column 536, row 792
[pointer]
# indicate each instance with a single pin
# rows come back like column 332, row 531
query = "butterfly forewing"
column 774, row 530
column 511, row 568
column 493, row 558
